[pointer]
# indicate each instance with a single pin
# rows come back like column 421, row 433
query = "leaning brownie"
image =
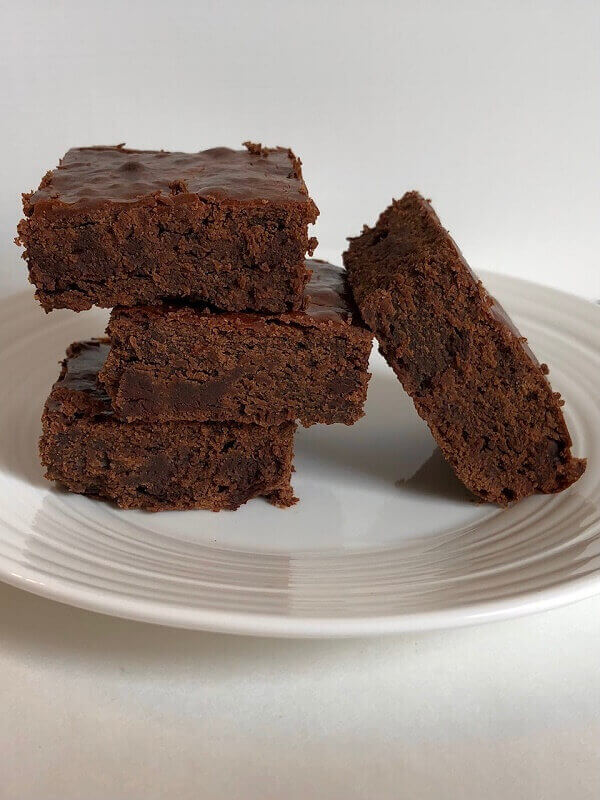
column 470, row 373
column 184, row 363
column 111, row 226
column 156, row 466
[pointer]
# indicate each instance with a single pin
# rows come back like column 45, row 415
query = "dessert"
column 186, row 363
column 158, row 466
column 470, row 373
column 111, row 226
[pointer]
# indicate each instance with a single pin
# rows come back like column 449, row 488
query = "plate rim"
column 281, row 626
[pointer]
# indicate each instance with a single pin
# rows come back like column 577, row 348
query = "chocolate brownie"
column 157, row 466
column 184, row 363
column 111, row 226
column 469, row 371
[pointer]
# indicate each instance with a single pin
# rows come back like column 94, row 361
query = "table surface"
column 97, row 707
column 100, row 707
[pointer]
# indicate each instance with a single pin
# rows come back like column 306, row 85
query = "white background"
column 490, row 108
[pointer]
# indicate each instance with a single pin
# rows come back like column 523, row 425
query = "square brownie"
column 158, row 466
column 470, row 373
column 183, row 363
column 111, row 226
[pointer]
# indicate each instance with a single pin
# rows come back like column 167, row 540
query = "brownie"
column 184, row 363
column 469, row 371
column 156, row 466
column 111, row 226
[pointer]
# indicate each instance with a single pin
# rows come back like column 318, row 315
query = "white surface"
column 94, row 707
column 493, row 110
column 358, row 555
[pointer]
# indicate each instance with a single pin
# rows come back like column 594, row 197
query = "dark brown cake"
column 470, row 373
column 158, row 466
column 170, row 363
column 112, row 226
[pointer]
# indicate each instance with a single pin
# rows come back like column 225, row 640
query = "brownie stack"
column 222, row 336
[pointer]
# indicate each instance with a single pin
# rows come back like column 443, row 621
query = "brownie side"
column 163, row 466
column 112, row 226
column 181, row 363
column 471, row 375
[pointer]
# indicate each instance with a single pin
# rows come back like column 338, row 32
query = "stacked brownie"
column 222, row 336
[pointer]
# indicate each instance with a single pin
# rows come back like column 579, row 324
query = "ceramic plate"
column 384, row 538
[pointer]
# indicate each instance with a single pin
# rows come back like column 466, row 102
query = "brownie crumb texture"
column 470, row 373
column 169, row 363
column 161, row 466
column 112, row 226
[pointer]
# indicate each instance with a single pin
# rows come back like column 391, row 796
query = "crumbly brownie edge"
column 149, row 466
column 149, row 253
column 146, row 243
column 266, row 373
column 179, row 362
column 411, row 303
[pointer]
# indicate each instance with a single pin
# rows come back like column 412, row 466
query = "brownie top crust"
column 327, row 294
column 79, row 375
column 83, row 364
column 92, row 176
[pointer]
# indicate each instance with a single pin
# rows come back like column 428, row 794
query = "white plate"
column 384, row 538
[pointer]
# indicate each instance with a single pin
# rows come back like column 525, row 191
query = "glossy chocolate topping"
column 82, row 365
column 327, row 296
column 88, row 176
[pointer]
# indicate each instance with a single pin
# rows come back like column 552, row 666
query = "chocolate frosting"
column 88, row 176
column 82, row 365
column 327, row 295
